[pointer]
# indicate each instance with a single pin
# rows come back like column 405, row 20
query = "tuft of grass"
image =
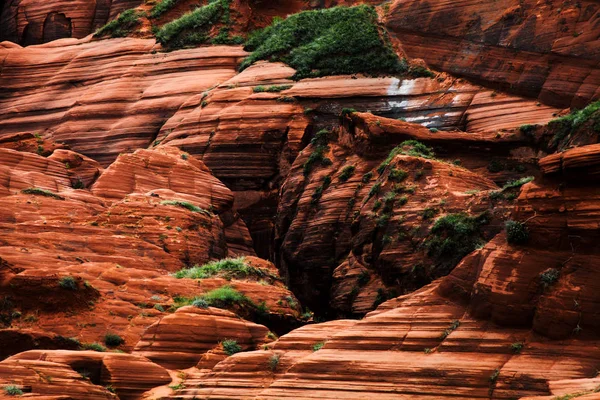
column 347, row 173
column 228, row 268
column 319, row 191
column 12, row 390
column 517, row 183
column 429, row 213
column 68, row 283
column 320, row 147
column 225, row 296
column 271, row 89
column 549, row 277
column 516, row 232
column 93, row 346
column 185, row 204
column 41, row 192
column 334, row 41
column 410, row 148
column 318, row 346
column 230, row 347
column 200, row 303
column 453, row 236
column 113, row 340
column 274, row 362
column 565, row 126
column 453, row 326
column 162, row 7
column 517, row 347
column 527, row 129
column 193, row 28
column 122, row 26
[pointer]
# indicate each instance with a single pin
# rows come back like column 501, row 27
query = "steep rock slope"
column 482, row 332
column 356, row 215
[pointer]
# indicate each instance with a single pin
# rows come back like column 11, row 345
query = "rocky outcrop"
column 181, row 340
column 28, row 22
column 127, row 375
column 547, row 50
column 82, row 263
column 355, row 216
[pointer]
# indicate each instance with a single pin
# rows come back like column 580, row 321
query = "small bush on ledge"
column 516, row 232
column 113, row 340
column 122, row 26
column 231, row 347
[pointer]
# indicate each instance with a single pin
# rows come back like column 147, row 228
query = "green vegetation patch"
column 565, row 126
column 319, row 148
column 185, row 204
column 122, row 26
column 334, row 41
column 271, row 89
column 162, row 7
column 409, row 148
column 193, row 28
column 230, row 347
column 41, row 192
column 113, row 340
column 228, row 268
column 68, row 282
column 12, row 390
column 516, row 232
column 453, row 236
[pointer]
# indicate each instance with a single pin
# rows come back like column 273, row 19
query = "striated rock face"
column 129, row 376
column 547, row 50
column 183, row 339
column 357, row 228
column 120, row 91
column 150, row 213
column 28, row 22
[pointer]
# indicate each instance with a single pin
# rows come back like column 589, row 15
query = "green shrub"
column 320, row 147
column 453, row 236
column 228, row 267
column 494, row 376
column 274, row 362
column 410, row 148
column 122, row 26
column 453, row 326
column 318, row 346
column 517, row 347
column 192, row 28
column 367, row 177
column 271, row 89
column 347, row 173
column 398, row 175
column 68, row 282
column 516, row 232
column 527, row 129
column 334, row 41
column 225, row 296
column 12, row 390
column 319, row 190
column 231, row 347
column 420, row 72
column 568, row 124
column 496, row 166
column 517, row 183
column 549, row 277
column 200, row 303
column 185, row 204
column 429, row 213
column 93, row 346
column 162, row 7
column 113, row 340
column 347, row 111
column 41, row 192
